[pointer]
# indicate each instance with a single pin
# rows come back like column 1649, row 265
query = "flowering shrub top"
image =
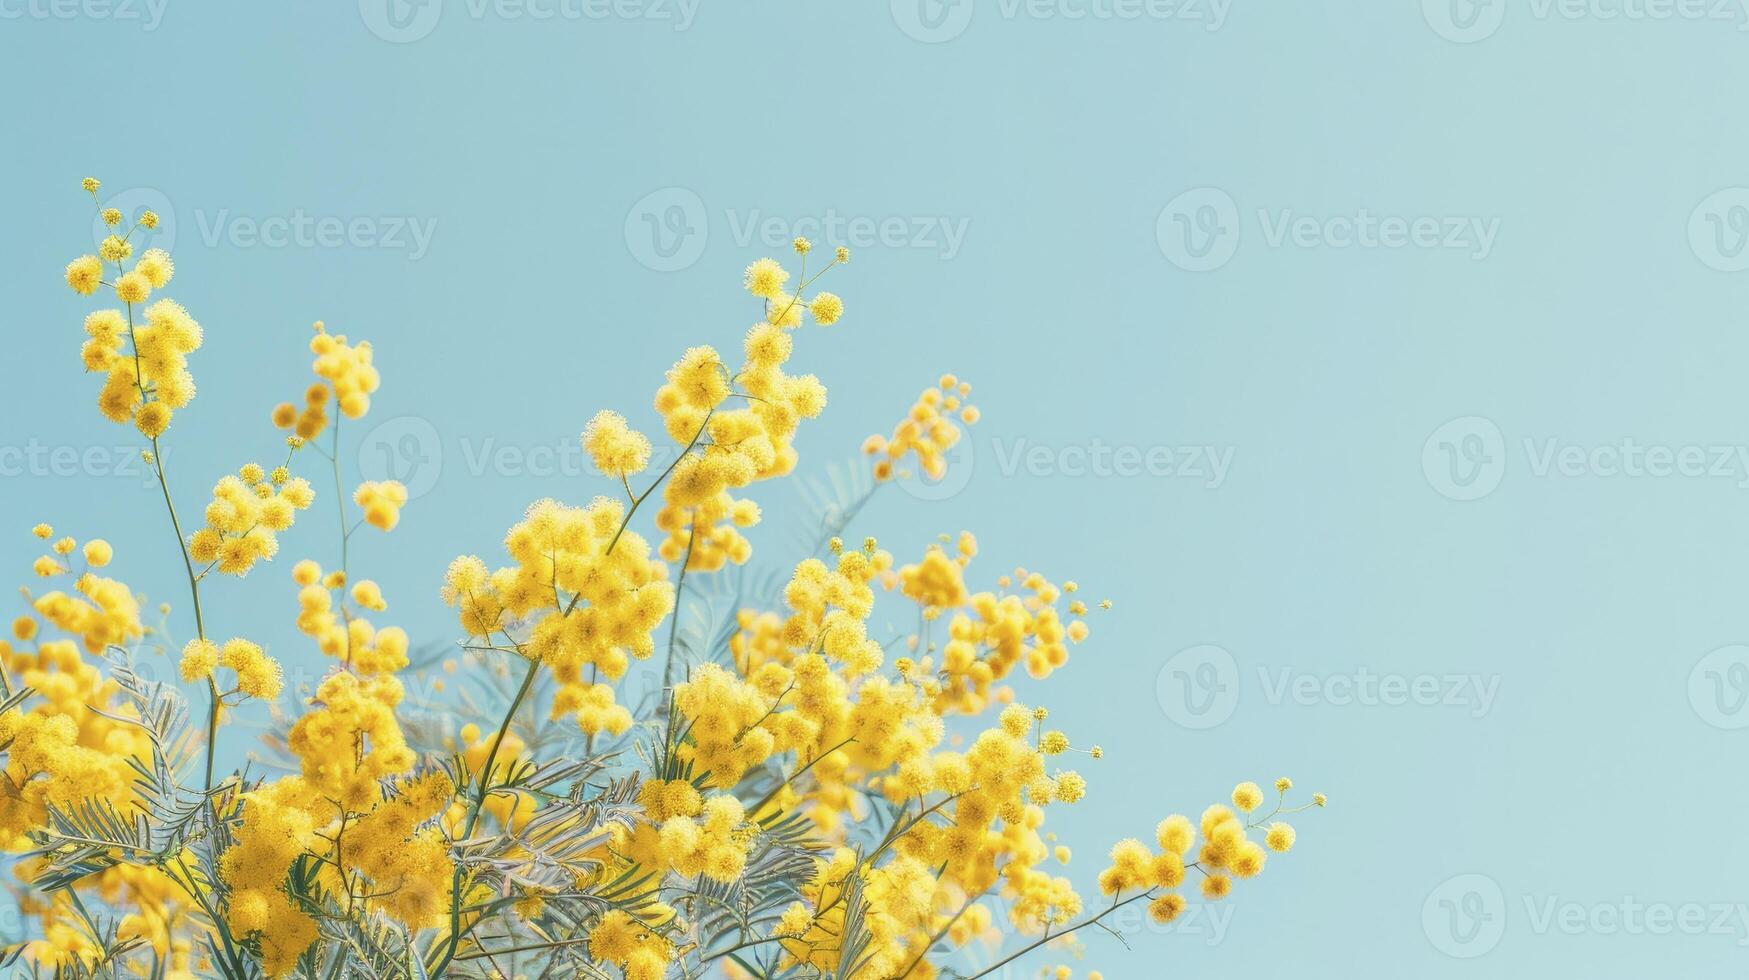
column 793, row 800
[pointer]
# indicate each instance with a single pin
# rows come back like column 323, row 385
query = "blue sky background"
column 1482, row 415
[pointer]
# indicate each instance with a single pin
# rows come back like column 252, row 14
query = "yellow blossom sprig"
column 928, row 431
column 147, row 373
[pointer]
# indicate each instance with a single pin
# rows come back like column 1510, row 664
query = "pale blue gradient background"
column 529, row 142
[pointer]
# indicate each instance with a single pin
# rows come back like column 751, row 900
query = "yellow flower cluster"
column 1227, row 852
column 345, row 370
column 939, row 582
column 147, row 383
column 386, row 850
column 101, row 612
column 308, row 422
column 399, row 849
column 811, row 694
column 618, row 450
column 899, row 901
column 730, row 448
column 347, row 367
column 351, row 740
column 258, row 675
column 928, row 431
column 687, row 833
column 744, row 445
column 73, row 744
column 631, row 945
column 589, row 586
column 146, row 363
column 245, row 516
column 350, row 638
column 274, row 832
column 47, row 765
column 767, row 277
column 758, row 640
column 989, row 633
column 382, row 502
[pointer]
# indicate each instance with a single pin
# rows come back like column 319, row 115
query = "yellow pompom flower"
column 199, row 658
column 369, row 595
column 765, row 278
column 98, row 553
column 85, row 274
column 1280, row 837
column 152, row 419
column 826, row 308
column 1176, row 835
column 1166, row 908
column 1070, row 787
column 1247, row 796
column 156, row 266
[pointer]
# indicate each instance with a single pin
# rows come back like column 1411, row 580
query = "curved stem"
column 1048, row 936
column 212, row 731
column 940, row 933
column 455, row 888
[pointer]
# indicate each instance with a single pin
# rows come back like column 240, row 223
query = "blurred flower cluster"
column 636, row 761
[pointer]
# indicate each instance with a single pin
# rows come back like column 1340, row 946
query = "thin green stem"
column 479, row 802
column 224, row 930
column 755, row 808
column 212, row 730
column 940, row 933
column 1048, row 936
column 679, row 591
